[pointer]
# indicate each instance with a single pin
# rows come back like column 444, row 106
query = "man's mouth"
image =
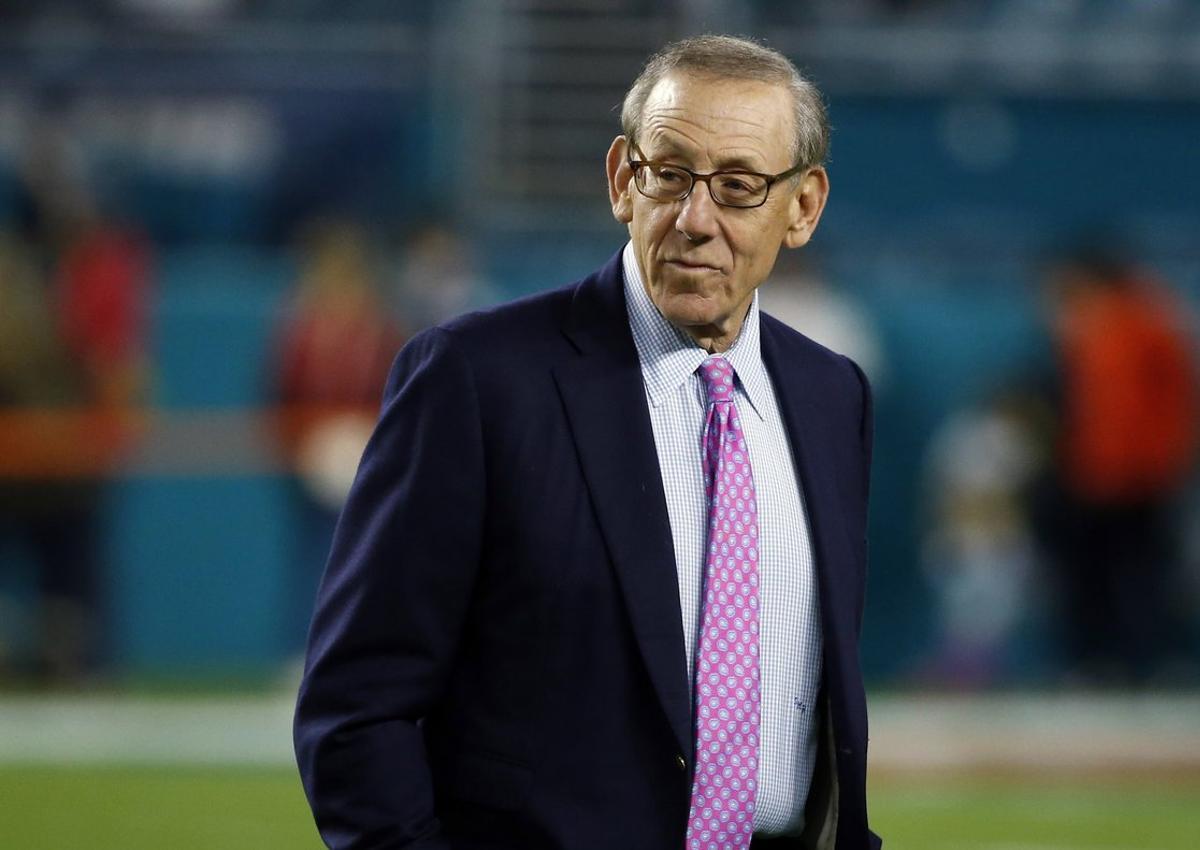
column 692, row 265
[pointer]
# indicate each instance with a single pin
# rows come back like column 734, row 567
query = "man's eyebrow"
column 738, row 163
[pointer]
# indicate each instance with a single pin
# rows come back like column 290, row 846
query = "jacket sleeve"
column 391, row 606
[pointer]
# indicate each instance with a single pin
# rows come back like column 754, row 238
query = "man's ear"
column 619, row 177
column 805, row 207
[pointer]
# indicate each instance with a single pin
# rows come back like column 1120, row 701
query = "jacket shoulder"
column 506, row 324
column 798, row 348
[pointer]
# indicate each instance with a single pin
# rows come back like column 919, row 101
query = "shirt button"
column 681, row 762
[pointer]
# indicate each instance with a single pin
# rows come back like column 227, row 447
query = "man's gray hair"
column 727, row 57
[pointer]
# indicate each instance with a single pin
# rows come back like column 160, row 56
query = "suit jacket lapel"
column 808, row 428
column 605, row 401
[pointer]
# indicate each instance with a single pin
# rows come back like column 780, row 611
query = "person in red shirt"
column 73, row 377
column 1126, row 445
column 335, row 345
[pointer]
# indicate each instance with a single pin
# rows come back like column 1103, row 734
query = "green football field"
column 129, row 808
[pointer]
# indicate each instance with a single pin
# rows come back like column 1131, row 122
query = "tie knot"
column 717, row 373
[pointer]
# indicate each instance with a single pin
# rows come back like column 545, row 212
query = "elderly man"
column 599, row 583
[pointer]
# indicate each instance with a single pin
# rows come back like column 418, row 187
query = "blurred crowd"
column 1036, row 525
column 1057, row 502
column 1064, row 495
column 77, row 388
column 75, row 284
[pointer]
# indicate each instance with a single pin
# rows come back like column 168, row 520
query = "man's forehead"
column 688, row 113
column 719, row 97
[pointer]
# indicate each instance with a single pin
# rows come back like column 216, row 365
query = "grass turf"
column 133, row 807
column 1037, row 813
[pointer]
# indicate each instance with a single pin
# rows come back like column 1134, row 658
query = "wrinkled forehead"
column 704, row 116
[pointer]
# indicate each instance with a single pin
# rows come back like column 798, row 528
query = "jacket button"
column 681, row 762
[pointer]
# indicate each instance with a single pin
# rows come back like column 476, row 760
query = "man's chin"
column 696, row 320
column 686, row 307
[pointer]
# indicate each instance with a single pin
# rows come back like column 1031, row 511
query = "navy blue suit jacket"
column 497, row 658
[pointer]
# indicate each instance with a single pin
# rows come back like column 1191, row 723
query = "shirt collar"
column 670, row 357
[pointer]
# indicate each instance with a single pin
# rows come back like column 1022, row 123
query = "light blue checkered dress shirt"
column 790, row 617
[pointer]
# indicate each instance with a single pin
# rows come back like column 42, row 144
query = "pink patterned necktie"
column 727, row 675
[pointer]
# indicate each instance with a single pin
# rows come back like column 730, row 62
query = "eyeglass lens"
column 671, row 183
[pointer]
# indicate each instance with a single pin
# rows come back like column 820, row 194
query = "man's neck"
column 716, row 339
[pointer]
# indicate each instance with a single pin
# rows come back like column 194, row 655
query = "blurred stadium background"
column 218, row 218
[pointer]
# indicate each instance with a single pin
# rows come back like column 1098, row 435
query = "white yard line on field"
column 214, row 730
column 909, row 734
column 1075, row 732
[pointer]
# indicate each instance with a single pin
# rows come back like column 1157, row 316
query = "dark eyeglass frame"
column 771, row 179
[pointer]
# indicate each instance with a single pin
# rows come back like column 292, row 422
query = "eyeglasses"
column 662, row 181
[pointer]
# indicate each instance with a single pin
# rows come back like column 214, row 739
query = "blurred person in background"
column 979, row 550
column 543, row 614
column 73, row 372
column 47, row 500
column 438, row 277
column 802, row 298
column 335, row 343
column 1126, row 446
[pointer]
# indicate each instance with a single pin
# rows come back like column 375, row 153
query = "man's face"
column 702, row 262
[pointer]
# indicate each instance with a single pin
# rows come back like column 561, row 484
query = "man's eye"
column 735, row 184
column 665, row 174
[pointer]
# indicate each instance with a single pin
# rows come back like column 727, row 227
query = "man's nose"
column 698, row 213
